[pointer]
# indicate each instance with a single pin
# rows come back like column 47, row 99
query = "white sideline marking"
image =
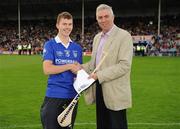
column 91, row 123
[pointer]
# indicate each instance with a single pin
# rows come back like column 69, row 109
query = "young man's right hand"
column 75, row 67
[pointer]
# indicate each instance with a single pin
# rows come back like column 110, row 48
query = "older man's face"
column 105, row 20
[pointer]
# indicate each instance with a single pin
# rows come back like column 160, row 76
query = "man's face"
column 105, row 20
column 65, row 26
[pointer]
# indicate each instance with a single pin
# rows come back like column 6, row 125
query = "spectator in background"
column 24, row 47
column 19, row 47
column 29, row 48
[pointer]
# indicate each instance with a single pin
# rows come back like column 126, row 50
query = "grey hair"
column 104, row 7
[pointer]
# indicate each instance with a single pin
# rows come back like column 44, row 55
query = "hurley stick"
column 65, row 118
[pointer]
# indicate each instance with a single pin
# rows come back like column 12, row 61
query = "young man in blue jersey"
column 61, row 61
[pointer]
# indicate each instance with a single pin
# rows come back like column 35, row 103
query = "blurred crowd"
column 35, row 33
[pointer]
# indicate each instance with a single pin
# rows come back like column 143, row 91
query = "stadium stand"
column 38, row 26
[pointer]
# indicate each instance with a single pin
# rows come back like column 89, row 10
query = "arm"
column 86, row 66
column 49, row 68
column 124, row 60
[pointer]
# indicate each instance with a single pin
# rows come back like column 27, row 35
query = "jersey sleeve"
column 81, row 56
column 48, row 52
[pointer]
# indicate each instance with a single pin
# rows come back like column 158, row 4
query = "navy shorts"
column 50, row 110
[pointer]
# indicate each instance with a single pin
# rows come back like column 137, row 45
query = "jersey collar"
column 58, row 40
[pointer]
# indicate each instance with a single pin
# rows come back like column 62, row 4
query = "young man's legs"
column 50, row 110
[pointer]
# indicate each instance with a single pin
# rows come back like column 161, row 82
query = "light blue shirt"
column 104, row 37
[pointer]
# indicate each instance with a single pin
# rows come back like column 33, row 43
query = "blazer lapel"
column 97, row 43
column 95, row 49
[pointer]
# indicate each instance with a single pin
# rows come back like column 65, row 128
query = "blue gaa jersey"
column 61, row 85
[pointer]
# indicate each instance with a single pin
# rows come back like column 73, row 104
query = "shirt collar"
column 109, row 32
column 58, row 40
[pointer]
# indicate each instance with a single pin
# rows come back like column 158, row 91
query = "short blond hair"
column 65, row 15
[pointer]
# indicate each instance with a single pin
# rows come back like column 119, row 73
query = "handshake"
column 77, row 67
column 74, row 68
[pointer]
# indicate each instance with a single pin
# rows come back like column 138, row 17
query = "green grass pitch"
column 155, row 89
